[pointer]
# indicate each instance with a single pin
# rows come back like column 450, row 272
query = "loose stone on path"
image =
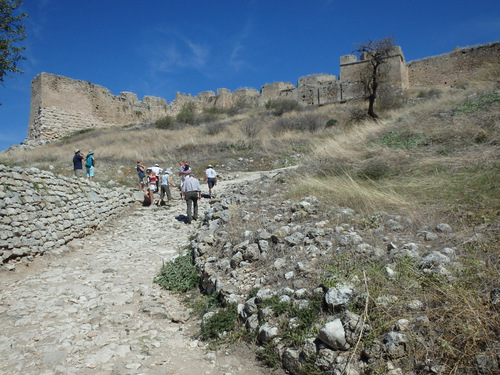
column 92, row 307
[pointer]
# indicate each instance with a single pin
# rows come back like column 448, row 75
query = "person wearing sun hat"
column 78, row 163
column 90, row 165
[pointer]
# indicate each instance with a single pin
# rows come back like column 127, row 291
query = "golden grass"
column 345, row 191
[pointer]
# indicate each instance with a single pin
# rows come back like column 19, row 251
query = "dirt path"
column 93, row 308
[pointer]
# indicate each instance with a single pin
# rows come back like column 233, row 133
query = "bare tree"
column 376, row 53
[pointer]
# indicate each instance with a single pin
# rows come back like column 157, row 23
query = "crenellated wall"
column 61, row 106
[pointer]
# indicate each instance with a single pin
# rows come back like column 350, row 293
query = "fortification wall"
column 452, row 68
column 40, row 211
column 61, row 105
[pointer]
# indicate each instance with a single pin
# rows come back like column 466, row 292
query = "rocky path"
column 92, row 308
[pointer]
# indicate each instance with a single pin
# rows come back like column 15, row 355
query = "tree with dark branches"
column 376, row 53
column 12, row 31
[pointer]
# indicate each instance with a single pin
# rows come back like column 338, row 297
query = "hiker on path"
column 211, row 179
column 157, row 172
column 165, row 186
column 90, row 165
column 192, row 194
column 78, row 163
column 152, row 182
column 141, row 172
column 184, row 170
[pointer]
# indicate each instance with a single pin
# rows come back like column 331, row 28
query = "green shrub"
column 269, row 355
column 166, row 122
column 222, row 321
column 375, row 169
column 403, row 138
column 187, row 114
column 474, row 105
column 331, row 122
column 179, row 275
column 431, row 93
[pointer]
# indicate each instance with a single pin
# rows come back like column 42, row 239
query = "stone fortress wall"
column 40, row 211
column 61, row 106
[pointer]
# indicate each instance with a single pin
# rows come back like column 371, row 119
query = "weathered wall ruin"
column 458, row 66
column 61, row 106
column 40, row 211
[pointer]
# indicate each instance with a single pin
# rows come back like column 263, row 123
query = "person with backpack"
column 90, row 164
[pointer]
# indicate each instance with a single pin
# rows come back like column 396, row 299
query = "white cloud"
column 236, row 61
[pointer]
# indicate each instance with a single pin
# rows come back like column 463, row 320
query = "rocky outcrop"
column 40, row 211
column 301, row 256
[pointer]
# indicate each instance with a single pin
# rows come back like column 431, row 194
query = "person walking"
column 184, row 170
column 192, row 194
column 211, row 180
column 90, row 165
column 141, row 173
column 165, row 186
column 78, row 163
column 157, row 172
column 152, row 181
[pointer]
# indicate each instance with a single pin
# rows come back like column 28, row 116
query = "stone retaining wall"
column 40, row 211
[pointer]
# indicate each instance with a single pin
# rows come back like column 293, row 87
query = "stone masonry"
column 61, row 106
column 40, row 211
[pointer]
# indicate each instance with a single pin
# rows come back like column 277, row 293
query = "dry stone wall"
column 61, row 106
column 40, row 211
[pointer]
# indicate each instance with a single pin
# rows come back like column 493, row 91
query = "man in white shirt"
column 211, row 179
column 192, row 194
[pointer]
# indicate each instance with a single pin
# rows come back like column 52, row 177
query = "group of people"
column 156, row 179
column 78, row 161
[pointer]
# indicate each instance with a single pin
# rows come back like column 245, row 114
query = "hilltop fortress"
column 61, row 106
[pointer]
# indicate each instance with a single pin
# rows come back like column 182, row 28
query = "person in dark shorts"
column 192, row 194
column 211, row 179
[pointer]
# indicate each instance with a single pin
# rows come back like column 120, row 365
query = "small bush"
column 357, row 114
column 179, row 275
column 282, row 106
column 375, row 169
column 404, row 139
column 215, row 128
column 474, row 105
column 222, row 321
column 166, row 122
column 187, row 114
column 331, row 122
column 251, row 127
column 311, row 122
column 431, row 93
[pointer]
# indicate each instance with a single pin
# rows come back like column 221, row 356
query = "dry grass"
column 437, row 159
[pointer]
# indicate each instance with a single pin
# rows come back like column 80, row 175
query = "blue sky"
column 160, row 47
